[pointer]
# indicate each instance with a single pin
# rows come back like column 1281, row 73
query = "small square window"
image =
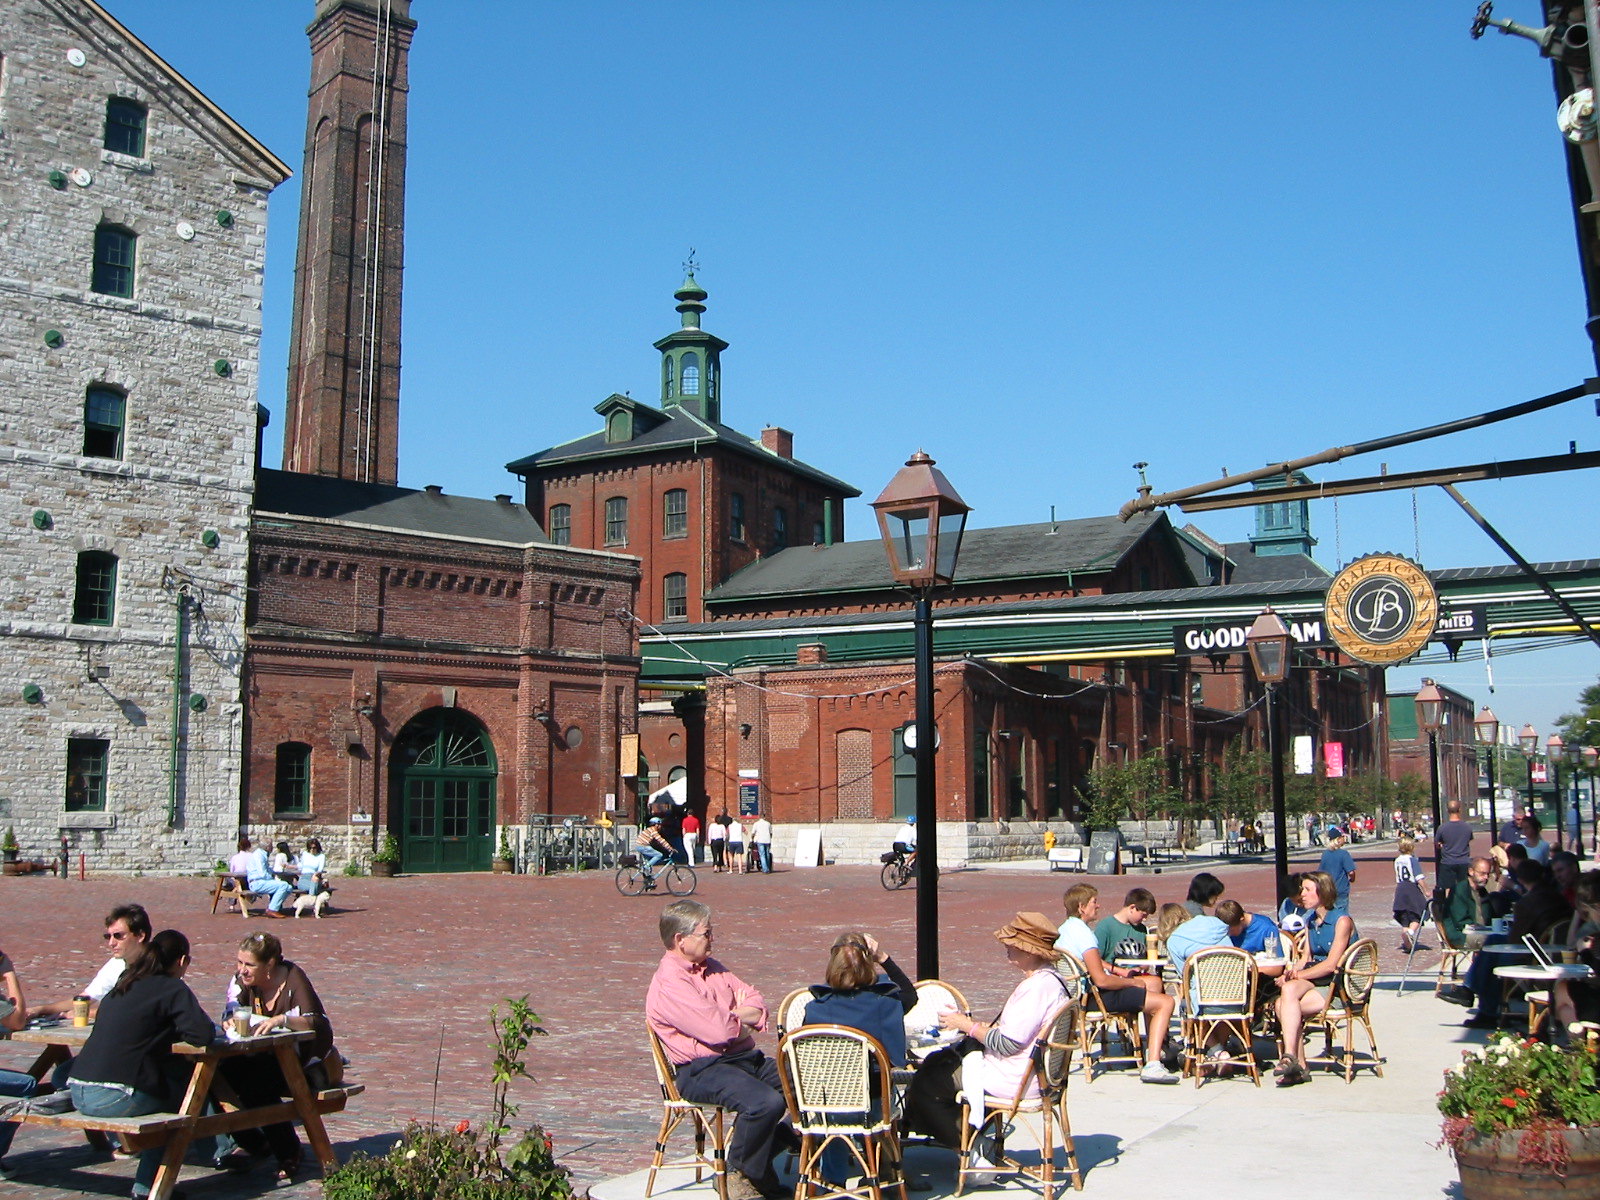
column 103, row 413
column 87, row 761
column 125, row 121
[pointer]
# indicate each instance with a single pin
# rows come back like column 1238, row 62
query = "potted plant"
column 1520, row 1113
column 505, row 858
column 387, row 860
column 9, row 847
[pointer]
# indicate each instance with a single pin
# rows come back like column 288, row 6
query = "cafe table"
column 60, row 1041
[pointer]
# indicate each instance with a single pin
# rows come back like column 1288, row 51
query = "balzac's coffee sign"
column 1308, row 630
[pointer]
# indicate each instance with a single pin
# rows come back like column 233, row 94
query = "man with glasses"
column 126, row 924
column 705, row 1015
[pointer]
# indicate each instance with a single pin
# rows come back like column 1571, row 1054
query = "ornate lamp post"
column 921, row 519
column 1590, row 757
column 1268, row 643
column 1554, row 747
column 1430, row 716
column 1528, row 739
column 1574, row 756
column 1487, row 727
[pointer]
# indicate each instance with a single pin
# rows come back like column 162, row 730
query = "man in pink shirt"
column 705, row 1015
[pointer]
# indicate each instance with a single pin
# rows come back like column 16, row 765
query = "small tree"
column 1107, row 795
column 1240, row 784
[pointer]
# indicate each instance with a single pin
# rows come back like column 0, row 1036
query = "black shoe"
column 1481, row 1022
column 1458, row 995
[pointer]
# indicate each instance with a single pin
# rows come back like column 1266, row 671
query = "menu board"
column 1104, row 846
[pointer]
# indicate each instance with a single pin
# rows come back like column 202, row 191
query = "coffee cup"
column 241, row 1022
column 1569, row 956
column 80, row 1011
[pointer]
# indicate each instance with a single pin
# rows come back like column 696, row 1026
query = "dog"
column 315, row 903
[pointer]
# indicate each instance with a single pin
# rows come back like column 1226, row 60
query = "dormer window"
column 619, row 427
column 691, row 374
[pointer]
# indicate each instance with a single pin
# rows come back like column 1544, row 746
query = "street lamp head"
column 1574, row 752
column 1268, row 644
column 1430, row 706
column 1528, row 739
column 1553, row 746
column 1590, row 757
column 1487, row 726
column 921, row 519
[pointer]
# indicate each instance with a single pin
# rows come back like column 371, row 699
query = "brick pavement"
column 409, row 968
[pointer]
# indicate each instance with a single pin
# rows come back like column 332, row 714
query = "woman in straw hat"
column 995, row 1055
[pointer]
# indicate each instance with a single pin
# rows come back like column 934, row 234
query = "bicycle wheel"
column 630, row 881
column 681, row 881
column 894, row 875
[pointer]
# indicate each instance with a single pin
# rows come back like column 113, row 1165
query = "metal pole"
column 1494, row 822
column 927, row 808
column 1433, row 795
column 1280, row 819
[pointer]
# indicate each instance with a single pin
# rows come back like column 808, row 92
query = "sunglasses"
column 115, row 937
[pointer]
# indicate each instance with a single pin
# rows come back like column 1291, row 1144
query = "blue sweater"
column 874, row 1010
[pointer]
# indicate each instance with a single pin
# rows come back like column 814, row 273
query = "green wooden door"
column 445, row 783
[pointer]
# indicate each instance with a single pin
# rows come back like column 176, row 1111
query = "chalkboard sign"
column 1103, row 848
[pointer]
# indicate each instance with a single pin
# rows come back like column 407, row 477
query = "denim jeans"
column 276, row 891
column 93, row 1100
column 13, row 1084
column 650, row 858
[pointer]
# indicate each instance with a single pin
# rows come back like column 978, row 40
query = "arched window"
column 292, row 791
column 666, row 367
column 94, row 601
column 675, row 514
column 125, row 120
column 675, row 595
column 560, row 530
column 691, row 374
column 103, row 412
column 619, row 427
column 114, row 249
column 617, row 521
column 780, row 529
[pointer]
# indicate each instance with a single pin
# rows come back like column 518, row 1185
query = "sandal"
column 287, row 1167
column 1296, row 1074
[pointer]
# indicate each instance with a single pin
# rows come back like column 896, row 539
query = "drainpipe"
column 177, row 709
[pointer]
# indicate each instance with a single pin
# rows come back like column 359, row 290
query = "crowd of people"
column 139, row 1006
column 673, row 833
column 706, row 1017
column 264, row 872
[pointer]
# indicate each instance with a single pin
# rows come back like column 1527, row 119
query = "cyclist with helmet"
column 654, row 850
column 905, row 839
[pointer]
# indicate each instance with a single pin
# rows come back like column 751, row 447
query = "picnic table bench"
column 236, row 887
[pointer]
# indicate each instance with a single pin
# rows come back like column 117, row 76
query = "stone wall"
column 184, row 349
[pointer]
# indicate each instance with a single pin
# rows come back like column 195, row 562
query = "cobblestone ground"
column 410, row 967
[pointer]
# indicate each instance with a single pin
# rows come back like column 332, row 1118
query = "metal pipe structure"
column 177, row 709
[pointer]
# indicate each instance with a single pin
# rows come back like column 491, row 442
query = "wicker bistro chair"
column 1042, row 1094
column 710, row 1125
column 791, row 1011
column 1219, row 991
column 1095, row 1022
column 934, row 996
column 1452, row 955
column 827, row 1073
column 1351, row 1005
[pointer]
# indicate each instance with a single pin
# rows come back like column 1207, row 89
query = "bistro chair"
column 1042, row 1094
column 1452, row 955
column 791, row 1010
column 1095, row 1022
column 1219, row 989
column 710, row 1124
column 934, row 996
column 1349, row 1006
column 837, row 1083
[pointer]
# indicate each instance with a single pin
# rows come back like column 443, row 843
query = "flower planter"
column 502, row 866
column 386, row 870
column 1490, row 1170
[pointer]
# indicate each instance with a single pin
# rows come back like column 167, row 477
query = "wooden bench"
column 153, row 1129
column 235, row 887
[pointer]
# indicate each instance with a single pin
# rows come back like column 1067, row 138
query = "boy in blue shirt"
column 1251, row 932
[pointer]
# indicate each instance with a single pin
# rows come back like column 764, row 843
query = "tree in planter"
column 1107, row 795
column 1239, row 786
column 1152, row 794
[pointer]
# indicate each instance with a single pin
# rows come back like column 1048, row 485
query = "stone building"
column 132, row 231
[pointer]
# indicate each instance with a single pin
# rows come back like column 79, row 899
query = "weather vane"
column 690, row 266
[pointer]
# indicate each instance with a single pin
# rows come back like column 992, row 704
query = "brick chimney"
column 779, row 441
column 811, row 654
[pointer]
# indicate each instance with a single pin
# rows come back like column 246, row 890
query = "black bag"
column 930, row 1107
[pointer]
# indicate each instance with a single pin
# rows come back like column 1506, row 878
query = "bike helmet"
column 912, row 819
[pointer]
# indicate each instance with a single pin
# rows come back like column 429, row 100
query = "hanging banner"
column 1333, row 759
column 1304, row 755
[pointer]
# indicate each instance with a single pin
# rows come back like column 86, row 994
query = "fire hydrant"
column 1049, row 840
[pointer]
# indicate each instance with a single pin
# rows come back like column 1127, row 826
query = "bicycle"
column 634, row 880
column 899, row 869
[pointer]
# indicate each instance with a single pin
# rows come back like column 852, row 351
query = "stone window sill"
column 292, row 816
column 88, row 819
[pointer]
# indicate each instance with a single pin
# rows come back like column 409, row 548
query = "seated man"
column 13, row 1084
column 1253, row 933
column 1540, row 907
column 705, row 1015
column 1196, row 933
column 1122, row 934
column 654, row 849
column 127, row 925
column 1469, row 905
column 259, row 876
column 1118, row 989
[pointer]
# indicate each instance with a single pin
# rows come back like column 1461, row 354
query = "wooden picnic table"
column 177, row 1130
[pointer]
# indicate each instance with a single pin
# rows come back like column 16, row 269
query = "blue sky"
column 1041, row 240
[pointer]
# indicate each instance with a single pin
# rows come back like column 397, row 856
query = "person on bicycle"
column 905, row 839
column 654, row 850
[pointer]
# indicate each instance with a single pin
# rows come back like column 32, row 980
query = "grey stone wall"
column 188, row 453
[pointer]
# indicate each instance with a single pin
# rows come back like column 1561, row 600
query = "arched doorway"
column 442, row 776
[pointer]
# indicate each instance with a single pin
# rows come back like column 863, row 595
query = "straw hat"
column 1031, row 933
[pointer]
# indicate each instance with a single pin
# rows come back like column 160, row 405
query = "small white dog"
column 315, row 903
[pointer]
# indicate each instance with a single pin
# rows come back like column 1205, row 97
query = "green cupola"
column 691, row 362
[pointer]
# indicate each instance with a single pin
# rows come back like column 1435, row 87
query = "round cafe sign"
column 1382, row 609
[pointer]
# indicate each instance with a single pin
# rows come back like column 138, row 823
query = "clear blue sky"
column 1041, row 240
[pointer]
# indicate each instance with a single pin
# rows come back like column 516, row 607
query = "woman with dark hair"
column 1205, row 889
column 127, row 1068
column 278, row 995
column 313, row 866
column 1307, row 982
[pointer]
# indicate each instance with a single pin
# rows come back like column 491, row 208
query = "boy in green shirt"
column 1125, row 925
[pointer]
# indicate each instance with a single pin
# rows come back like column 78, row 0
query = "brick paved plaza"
column 406, row 965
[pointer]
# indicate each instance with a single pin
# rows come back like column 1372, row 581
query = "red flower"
column 1508, row 1101
column 1520, row 1092
column 464, row 1127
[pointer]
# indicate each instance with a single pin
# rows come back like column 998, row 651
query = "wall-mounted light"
column 366, row 710
column 744, row 729
column 543, row 717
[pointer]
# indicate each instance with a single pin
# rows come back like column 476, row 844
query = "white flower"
column 411, row 1153
column 1502, row 1061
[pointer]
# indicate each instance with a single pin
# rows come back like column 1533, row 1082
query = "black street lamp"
column 1528, row 739
column 1430, row 717
column 1487, row 727
column 1590, row 757
column 1574, row 755
column 1268, row 644
column 921, row 519
column 1553, row 754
